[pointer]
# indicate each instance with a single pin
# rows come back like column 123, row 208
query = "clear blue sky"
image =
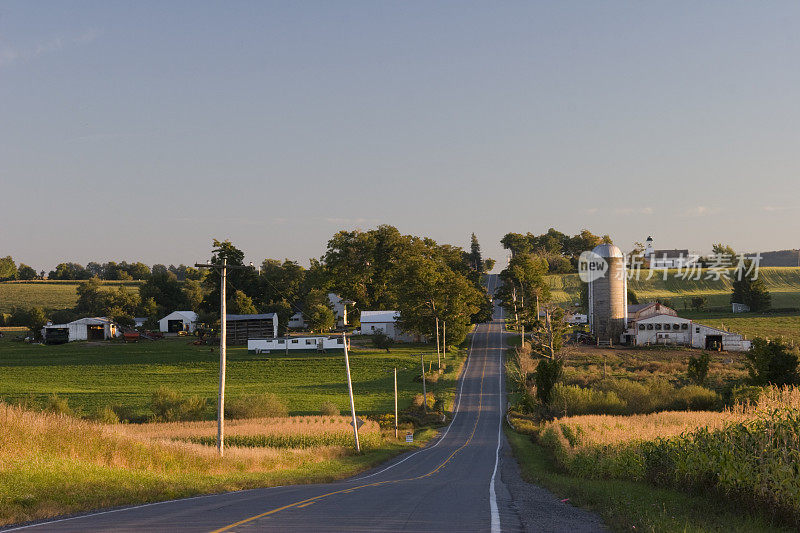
column 142, row 130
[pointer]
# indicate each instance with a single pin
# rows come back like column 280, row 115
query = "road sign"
column 409, row 437
column 359, row 422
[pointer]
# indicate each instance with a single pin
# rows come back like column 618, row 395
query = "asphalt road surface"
column 456, row 483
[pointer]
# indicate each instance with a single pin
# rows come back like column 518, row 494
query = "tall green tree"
column 24, row 272
column 749, row 289
column 475, row 257
column 241, row 279
column 8, row 268
column 166, row 291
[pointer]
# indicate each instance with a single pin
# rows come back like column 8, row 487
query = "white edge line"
column 458, row 405
column 495, row 520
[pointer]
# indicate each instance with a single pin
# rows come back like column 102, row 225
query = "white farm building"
column 83, row 329
column 667, row 328
column 385, row 322
column 178, row 321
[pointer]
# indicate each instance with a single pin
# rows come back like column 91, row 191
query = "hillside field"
column 45, row 294
column 782, row 282
column 100, row 374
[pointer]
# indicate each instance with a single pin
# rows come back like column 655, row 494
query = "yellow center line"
column 309, row 501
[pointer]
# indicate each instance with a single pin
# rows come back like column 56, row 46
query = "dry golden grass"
column 297, row 425
column 594, row 430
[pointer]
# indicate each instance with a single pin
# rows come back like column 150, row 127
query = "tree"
column 320, row 318
column 165, row 289
column 24, row 272
column 193, row 294
column 475, row 258
column 8, row 269
column 69, row 271
column 241, row 279
column 698, row 368
column 241, row 304
column 524, row 286
column 749, row 289
column 698, row 302
column 725, row 250
column 547, row 375
column 488, row 264
column 772, row 363
column 34, row 318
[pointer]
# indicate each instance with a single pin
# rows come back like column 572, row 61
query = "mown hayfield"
column 45, row 294
column 96, row 375
column 53, row 464
column 782, row 282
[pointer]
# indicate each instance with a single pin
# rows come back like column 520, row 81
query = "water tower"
column 608, row 296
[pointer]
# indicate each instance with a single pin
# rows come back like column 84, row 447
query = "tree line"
column 379, row 269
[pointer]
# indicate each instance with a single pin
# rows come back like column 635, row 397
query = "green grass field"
column 45, row 294
column 94, row 375
column 782, row 282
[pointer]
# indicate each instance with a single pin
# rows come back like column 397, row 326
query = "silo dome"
column 608, row 296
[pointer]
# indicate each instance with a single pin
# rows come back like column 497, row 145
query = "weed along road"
column 453, row 484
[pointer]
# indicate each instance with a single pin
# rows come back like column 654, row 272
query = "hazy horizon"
column 142, row 131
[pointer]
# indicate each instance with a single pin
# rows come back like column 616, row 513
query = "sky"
column 140, row 131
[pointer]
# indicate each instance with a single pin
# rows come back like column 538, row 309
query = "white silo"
column 608, row 296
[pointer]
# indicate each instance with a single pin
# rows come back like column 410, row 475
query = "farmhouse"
column 311, row 343
column 386, row 322
column 241, row 328
column 83, row 329
column 669, row 329
column 667, row 258
column 178, row 321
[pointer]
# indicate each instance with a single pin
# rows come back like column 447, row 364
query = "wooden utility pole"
column 222, row 347
column 437, row 342
column 424, row 392
column 444, row 337
column 223, row 353
column 395, row 402
column 350, row 392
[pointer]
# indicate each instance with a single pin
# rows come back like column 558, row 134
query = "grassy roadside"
column 627, row 505
column 53, row 465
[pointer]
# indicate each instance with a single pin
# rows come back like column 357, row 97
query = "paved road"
column 454, row 484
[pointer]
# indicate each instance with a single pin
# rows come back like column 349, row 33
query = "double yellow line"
column 309, row 501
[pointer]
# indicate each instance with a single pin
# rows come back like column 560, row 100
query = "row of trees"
column 9, row 271
column 559, row 249
column 376, row 269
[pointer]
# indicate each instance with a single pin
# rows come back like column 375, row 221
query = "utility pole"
column 424, row 392
column 350, row 391
column 437, row 342
column 395, row 402
column 444, row 337
column 223, row 338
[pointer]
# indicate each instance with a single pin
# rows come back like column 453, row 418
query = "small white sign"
column 409, row 437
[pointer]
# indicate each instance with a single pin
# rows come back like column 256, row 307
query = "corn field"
column 751, row 453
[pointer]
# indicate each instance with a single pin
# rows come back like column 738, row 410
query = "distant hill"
column 780, row 258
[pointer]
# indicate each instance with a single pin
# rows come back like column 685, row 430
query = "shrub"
column 696, row 398
column 169, row 405
column 772, row 363
column 567, row 400
column 58, row 405
column 329, row 408
column 698, row 368
column 382, row 341
column 746, row 394
column 106, row 415
column 256, row 406
column 548, row 373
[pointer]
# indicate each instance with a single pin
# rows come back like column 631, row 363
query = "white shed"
column 178, row 321
column 386, row 322
column 83, row 329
